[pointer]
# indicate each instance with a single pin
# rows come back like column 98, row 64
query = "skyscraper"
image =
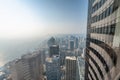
column 103, row 40
column 27, row 68
column 71, row 45
column 80, row 68
column 70, row 65
column 54, row 50
column 76, row 42
column 51, row 41
column 53, row 68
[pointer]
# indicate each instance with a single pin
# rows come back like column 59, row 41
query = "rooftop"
column 29, row 55
column 49, row 60
column 71, row 57
column 54, row 46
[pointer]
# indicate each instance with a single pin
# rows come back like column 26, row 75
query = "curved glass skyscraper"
column 103, row 40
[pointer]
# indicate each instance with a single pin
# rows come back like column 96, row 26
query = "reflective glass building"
column 103, row 40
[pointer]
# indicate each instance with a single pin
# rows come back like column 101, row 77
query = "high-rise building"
column 62, row 57
column 103, row 40
column 80, row 68
column 27, row 68
column 70, row 68
column 54, row 50
column 53, row 68
column 51, row 41
column 71, row 45
column 76, row 43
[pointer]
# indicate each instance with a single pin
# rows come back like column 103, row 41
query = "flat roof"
column 71, row 57
column 49, row 60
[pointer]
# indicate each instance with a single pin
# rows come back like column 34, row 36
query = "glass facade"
column 103, row 40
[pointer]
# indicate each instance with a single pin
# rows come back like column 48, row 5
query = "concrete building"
column 103, row 40
column 27, row 68
column 53, row 68
column 17, row 70
column 70, row 65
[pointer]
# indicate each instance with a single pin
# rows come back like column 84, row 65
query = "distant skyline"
column 35, row 18
column 24, row 22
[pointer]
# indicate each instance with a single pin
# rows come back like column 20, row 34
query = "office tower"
column 54, row 50
column 62, row 57
column 16, row 69
column 80, row 68
column 51, row 41
column 71, row 45
column 34, row 64
column 76, row 43
column 27, row 68
column 70, row 65
column 103, row 40
column 53, row 68
column 43, row 55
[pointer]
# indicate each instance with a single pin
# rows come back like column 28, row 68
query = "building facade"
column 103, row 40
column 80, row 68
column 54, row 50
column 71, row 45
column 53, row 68
column 29, row 67
column 76, row 42
column 70, row 68
column 51, row 41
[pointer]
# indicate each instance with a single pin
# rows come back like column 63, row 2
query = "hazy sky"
column 28, row 18
column 20, row 19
